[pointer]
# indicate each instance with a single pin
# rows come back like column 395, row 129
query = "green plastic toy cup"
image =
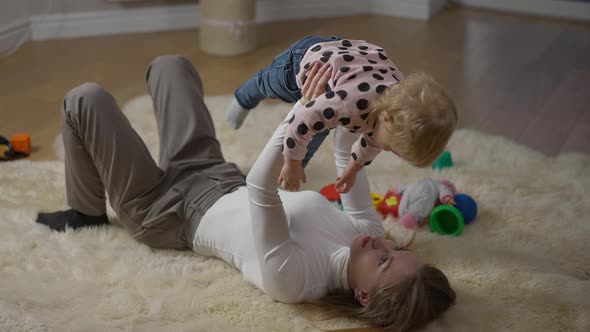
column 446, row 220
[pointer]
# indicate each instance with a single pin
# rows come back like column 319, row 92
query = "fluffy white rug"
column 524, row 265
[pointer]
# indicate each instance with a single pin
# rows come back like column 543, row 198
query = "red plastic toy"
column 330, row 193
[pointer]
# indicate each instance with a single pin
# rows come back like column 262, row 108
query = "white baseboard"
column 13, row 34
column 551, row 8
column 114, row 22
column 283, row 10
column 436, row 6
column 186, row 16
column 416, row 9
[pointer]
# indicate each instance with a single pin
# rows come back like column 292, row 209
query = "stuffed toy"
column 420, row 198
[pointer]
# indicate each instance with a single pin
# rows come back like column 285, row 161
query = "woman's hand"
column 315, row 84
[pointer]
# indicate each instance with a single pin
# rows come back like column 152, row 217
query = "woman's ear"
column 362, row 296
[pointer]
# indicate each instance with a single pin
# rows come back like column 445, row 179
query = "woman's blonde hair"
column 403, row 307
column 424, row 118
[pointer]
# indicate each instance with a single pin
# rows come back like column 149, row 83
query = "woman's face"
column 376, row 262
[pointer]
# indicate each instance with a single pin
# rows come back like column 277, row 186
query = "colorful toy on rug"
column 428, row 200
column 332, row 195
column 6, row 151
column 467, row 206
column 18, row 146
column 446, row 220
column 444, row 161
column 388, row 204
column 450, row 219
column 21, row 143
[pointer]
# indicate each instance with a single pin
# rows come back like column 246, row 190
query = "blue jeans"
column 278, row 81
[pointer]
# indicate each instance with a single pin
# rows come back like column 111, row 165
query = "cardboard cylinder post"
column 227, row 27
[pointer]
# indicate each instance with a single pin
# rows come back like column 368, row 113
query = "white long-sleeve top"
column 292, row 246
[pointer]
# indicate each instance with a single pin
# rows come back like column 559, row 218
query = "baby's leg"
column 275, row 81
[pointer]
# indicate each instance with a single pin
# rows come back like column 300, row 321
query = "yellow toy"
column 377, row 200
column 18, row 146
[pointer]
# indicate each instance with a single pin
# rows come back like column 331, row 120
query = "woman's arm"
column 281, row 261
column 357, row 203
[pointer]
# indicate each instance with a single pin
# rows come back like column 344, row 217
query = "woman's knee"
column 85, row 93
column 87, row 90
column 171, row 67
column 169, row 60
column 167, row 63
column 85, row 99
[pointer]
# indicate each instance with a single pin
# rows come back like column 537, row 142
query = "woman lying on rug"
column 294, row 246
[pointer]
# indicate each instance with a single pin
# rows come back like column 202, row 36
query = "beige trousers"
column 160, row 205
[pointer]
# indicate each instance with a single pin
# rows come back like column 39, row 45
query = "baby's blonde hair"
column 424, row 118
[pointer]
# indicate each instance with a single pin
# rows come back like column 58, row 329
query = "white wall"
column 72, row 6
column 38, row 7
column 15, row 10
column 14, row 24
column 577, row 10
column 51, row 19
column 12, row 10
column 415, row 9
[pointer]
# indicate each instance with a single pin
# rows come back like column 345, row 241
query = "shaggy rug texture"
column 523, row 265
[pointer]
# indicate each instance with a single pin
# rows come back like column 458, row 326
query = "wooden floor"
column 524, row 78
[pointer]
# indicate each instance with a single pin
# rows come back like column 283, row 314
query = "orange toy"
column 21, row 143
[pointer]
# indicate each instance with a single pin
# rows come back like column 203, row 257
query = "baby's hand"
column 345, row 182
column 291, row 175
column 448, row 200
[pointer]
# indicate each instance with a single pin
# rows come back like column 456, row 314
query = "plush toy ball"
column 467, row 206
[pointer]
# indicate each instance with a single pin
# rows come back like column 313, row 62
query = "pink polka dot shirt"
column 360, row 71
